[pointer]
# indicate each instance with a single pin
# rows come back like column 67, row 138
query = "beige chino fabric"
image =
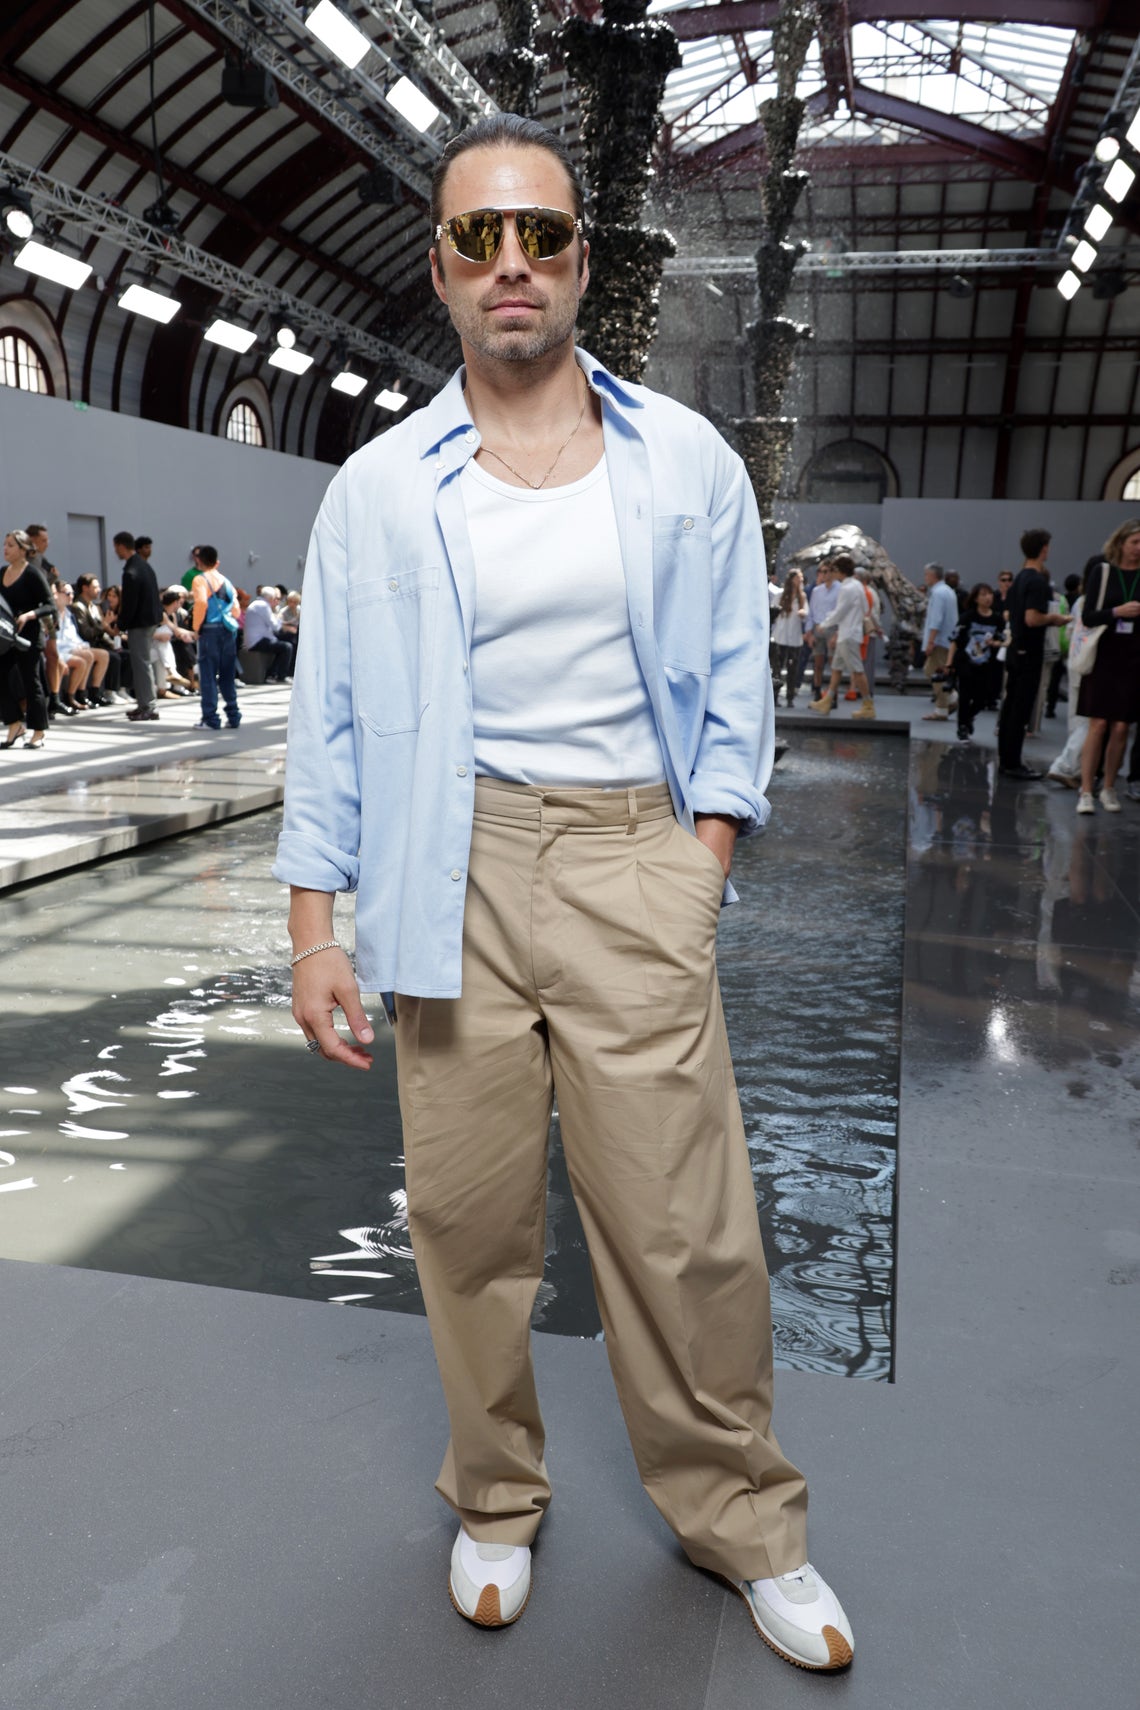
column 589, row 971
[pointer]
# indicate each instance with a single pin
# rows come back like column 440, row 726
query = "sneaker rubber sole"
column 487, row 1610
column 840, row 1652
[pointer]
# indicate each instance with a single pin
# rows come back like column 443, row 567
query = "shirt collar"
column 448, row 415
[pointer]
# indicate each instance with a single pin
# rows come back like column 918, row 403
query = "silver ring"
column 312, row 1044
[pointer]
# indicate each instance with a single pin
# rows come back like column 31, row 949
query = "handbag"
column 1082, row 640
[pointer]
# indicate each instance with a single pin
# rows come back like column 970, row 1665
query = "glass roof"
column 1002, row 76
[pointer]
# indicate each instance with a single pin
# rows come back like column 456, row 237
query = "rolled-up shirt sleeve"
column 320, row 837
column 737, row 743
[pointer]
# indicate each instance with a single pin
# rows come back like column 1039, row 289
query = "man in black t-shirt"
column 1029, row 618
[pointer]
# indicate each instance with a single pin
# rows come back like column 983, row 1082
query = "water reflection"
column 183, row 1134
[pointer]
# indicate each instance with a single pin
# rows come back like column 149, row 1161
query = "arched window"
column 243, row 424
column 21, row 364
column 848, row 471
column 1132, row 487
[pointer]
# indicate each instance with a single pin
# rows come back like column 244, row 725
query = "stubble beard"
column 520, row 341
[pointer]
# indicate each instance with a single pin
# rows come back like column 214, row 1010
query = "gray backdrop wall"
column 69, row 468
column 977, row 537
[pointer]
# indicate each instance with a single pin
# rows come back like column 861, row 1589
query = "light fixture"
column 959, row 286
column 390, row 400
column 413, row 104
column 1109, row 282
column 1107, row 148
column 338, row 33
column 352, row 384
column 1132, row 134
column 283, row 334
column 50, row 264
column 1098, row 221
column 1119, row 181
column 16, row 213
column 293, row 361
column 1083, row 256
column 160, row 215
column 230, row 336
column 1069, row 284
column 138, row 300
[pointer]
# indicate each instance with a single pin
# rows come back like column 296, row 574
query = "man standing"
column 38, row 535
column 140, row 613
column 534, row 663
column 1029, row 618
column 261, row 634
column 821, row 604
column 941, row 622
column 216, row 626
column 847, row 621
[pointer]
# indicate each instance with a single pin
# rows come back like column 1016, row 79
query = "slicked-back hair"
column 124, row 539
column 1034, row 541
column 503, row 130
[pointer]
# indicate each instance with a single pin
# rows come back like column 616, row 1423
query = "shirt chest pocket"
column 682, row 591
column 392, row 638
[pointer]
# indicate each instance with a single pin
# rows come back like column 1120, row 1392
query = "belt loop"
column 631, row 824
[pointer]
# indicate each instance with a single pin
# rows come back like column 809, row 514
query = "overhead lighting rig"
column 1108, row 177
column 143, row 242
column 16, row 213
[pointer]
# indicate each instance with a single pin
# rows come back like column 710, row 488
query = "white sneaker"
column 801, row 1618
column 489, row 1583
column 1086, row 803
column 1110, row 801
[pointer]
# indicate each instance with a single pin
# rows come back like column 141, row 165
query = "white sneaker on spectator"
column 1109, row 801
column 801, row 1618
column 489, row 1583
column 1086, row 803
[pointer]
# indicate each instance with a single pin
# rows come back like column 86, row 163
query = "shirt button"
column 688, row 523
column 393, row 584
column 455, row 873
column 469, row 436
column 461, row 771
column 465, row 667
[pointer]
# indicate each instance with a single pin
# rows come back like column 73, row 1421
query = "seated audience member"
column 261, row 627
column 94, row 631
column 289, row 626
column 82, row 668
column 170, row 682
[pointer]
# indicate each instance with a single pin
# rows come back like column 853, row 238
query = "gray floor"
column 223, row 1498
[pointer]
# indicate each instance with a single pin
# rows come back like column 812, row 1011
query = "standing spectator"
column 848, row 622
column 216, row 624
column 38, row 535
column 821, row 604
column 874, row 635
column 788, row 637
column 1066, row 768
column 954, row 583
column 940, row 624
column 1001, row 612
column 140, row 613
column 261, row 634
column 1053, row 689
column 28, row 594
column 975, row 642
column 1110, row 693
column 1029, row 618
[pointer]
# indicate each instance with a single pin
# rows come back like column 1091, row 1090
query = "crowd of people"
column 1009, row 648
column 67, row 647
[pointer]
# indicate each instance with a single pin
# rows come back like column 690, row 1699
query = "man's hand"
column 718, row 832
column 321, row 984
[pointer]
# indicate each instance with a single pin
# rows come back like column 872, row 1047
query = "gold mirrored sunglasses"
column 543, row 233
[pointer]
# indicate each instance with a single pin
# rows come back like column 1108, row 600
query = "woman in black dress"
column 1110, row 694
column 26, row 590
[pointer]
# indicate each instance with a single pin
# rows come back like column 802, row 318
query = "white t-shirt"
column 558, row 693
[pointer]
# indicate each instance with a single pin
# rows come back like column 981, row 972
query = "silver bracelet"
column 329, row 944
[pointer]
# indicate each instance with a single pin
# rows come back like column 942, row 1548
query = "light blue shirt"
column 380, row 771
column 822, row 602
column 941, row 615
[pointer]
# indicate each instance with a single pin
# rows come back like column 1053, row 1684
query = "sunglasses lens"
column 476, row 236
column 544, row 232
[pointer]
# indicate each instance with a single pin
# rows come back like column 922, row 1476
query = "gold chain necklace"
column 517, row 473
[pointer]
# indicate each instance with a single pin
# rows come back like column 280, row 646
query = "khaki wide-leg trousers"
column 589, row 972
